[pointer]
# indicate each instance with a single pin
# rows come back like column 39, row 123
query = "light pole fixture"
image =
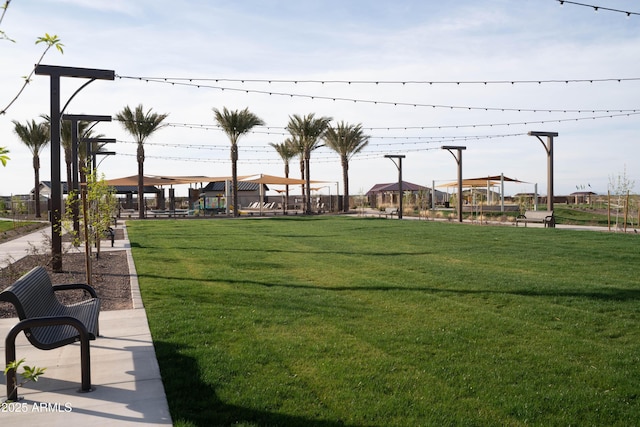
column 73, row 185
column 91, row 154
column 74, row 119
column 54, row 73
column 393, row 158
column 548, row 146
column 458, row 157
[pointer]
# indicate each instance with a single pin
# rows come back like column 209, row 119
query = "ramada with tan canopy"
column 481, row 182
column 175, row 180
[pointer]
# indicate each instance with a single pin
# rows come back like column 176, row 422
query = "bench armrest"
column 71, row 286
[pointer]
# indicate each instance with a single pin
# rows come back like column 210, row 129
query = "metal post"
column 54, row 73
column 399, row 166
column 548, row 146
column 75, row 119
column 502, row 192
column 433, row 195
column 458, row 158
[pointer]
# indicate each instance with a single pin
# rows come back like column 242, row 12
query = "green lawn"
column 10, row 225
column 330, row 321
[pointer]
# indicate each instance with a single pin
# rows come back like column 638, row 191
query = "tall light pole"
column 399, row 166
column 54, row 73
column 548, row 146
column 74, row 119
column 458, row 149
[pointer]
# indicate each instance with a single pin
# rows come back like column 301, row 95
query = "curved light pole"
column 399, row 166
column 548, row 146
column 458, row 158
column 54, row 73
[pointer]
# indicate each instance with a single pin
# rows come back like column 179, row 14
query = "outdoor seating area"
column 47, row 323
column 389, row 212
column 537, row 217
column 122, row 371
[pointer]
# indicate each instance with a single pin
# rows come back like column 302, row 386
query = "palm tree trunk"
column 304, row 195
column 345, row 180
column 36, row 188
column 234, row 179
column 307, row 163
column 140, row 156
column 286, row 189
column 73, row 198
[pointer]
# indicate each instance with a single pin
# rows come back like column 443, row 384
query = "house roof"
column 120, row 189
column 393, row 186
column 583, row 193
column 47, row 184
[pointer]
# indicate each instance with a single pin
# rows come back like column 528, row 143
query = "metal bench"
column 49, row 324
column 389, row 212
column 110, row 233
column 541, row 217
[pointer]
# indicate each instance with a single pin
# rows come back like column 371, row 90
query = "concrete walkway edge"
column 125, row 375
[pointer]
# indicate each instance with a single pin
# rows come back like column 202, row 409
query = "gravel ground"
column 110, row 278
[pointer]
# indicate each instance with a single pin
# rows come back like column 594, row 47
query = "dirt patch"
column 110, row 278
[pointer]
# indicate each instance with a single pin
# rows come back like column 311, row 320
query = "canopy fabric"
column 481, row 182
column 167, row 180
column 174, row 180
column 471, row 183
column 274, row 180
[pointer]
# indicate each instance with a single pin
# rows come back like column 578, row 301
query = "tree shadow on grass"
column 605, row 293
column 194, row 402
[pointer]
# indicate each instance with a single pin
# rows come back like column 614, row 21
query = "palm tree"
column 307, row 131
column 346, row 140
column 234, row 124
column 140, row 125
column 287, row 151
column 35, row 136
column 3, row 155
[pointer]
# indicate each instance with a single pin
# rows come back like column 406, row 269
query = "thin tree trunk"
column 75, row 211
column 36, row 188
column 345, row 179
column 304, row 194
column 286, row 188
column 234, row 179
column 307, row 172
column 141, row 211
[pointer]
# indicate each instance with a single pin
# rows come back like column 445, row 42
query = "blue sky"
column 487, row 40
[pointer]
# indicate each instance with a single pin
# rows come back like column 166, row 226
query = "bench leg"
column 10, row 351
column 10, row 356
column 85, row 365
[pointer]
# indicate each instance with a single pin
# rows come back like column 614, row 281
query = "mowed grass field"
column 330, row 321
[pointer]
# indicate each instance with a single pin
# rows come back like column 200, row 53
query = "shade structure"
column 174, row 180
column 167, row 180
column 273, row 180
column 481, row 182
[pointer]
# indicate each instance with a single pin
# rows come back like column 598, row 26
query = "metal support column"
column 458, row 158
column 548, row 146
column 55, row 72
column 399, row 166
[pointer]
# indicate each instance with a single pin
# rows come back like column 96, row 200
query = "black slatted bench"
column 49, row 324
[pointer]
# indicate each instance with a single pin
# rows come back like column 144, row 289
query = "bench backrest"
column 538, row 214
column 390, row 210
column 32, row 295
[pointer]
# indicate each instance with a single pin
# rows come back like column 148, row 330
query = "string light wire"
column 597, row 8
column 378, row 102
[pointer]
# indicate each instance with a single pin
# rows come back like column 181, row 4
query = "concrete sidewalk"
column 128, row 389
